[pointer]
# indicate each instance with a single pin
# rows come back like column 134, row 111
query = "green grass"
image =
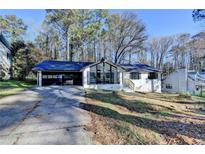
column 202, row 94
column 10, row 87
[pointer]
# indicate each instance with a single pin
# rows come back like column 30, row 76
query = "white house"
column 142, row 78
column 5, row 58
column 99, row 75
column 183, row 80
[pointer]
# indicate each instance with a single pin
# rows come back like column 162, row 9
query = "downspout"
column 186, row 79
column 195, row 83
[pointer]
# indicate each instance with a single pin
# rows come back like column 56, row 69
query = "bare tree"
column 165, row 44
column 196, row 53
column 126, row 33
column 158, row 49
column 179, row 51
column 153, row 49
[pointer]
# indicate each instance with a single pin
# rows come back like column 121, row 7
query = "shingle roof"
column 139, row 67
column 5, row 42
column 52, row 65
column 193, row 75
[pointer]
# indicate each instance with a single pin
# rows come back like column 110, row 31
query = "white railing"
column 199, row 79
column 130, row 84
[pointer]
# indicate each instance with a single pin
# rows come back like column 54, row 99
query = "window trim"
column 112, row 71
column 150, row 77
column 168, row 86
column 135, row 75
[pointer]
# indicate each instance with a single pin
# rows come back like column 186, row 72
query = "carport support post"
column 39, row 78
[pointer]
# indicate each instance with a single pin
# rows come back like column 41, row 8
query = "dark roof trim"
column 103, row 60
column 67, row 66
column 139, row 68
column 57, row 66
column 54, row 71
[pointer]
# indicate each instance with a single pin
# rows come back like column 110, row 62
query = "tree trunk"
column 68, row 52
column 130, row 57
column 94, row 52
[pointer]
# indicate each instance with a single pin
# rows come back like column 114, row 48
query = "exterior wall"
column 115, row 87
column 192, row 87
column 5, row 63
column 180, row 83
column 144, row 84
column 177, row 80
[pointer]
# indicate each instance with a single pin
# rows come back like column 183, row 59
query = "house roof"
column 52, row 65
column 139, row 67
column 5, row 42
column 194, row 75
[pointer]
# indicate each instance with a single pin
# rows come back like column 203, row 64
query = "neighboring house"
column 183, row 80
column 99, row 75
column 5, row 58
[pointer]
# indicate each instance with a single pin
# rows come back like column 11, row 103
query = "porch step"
column 127, row 89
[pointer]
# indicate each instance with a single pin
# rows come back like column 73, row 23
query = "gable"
column 104, row 61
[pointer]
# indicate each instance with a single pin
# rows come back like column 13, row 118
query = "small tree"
column 25, row 59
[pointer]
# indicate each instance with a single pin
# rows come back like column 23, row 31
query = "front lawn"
column 135, row 118
column 9, row 87
column 202, row 94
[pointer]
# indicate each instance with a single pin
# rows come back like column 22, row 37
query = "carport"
column 52, row 72
column 62, row 78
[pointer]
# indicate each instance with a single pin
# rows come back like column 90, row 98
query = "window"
column 197, row 88
column 92, row 77
column 103, row 73
column 152, row 75
column 50, row 76
column 8, row 56
column 168, row 86
column 45, row 76
column 100, row 70
column 135, row 75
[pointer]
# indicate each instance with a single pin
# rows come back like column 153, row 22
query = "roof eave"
column 36, row 70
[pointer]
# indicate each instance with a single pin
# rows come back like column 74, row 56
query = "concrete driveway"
column 44, row 115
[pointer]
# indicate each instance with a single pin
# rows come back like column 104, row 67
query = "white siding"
column 192, row 87
column 179, row 83
column 5, row 63
column 177, row 80
column 144, row 84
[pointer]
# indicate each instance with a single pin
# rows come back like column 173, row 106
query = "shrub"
column 185, row 95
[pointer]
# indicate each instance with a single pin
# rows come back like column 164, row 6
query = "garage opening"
column 62, row 78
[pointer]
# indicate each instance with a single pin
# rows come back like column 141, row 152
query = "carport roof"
column 52, row 65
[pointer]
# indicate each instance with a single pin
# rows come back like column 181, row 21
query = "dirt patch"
column 134, row 119
column 184, row 140
column 103, row 132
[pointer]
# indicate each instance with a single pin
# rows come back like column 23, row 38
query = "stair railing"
column 130, row 84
